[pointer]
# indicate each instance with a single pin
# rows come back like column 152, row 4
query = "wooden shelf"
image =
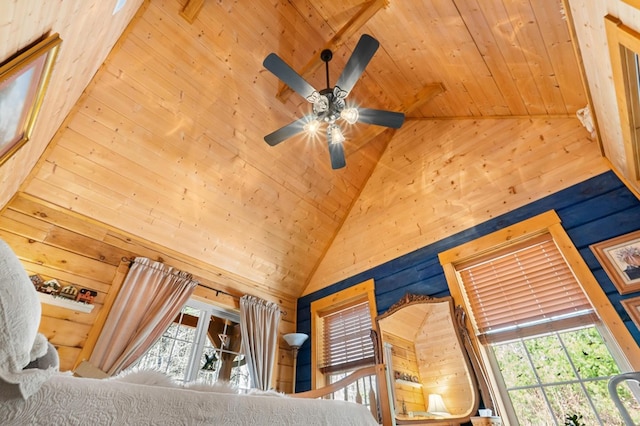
column 65, row 303
column 408, row 383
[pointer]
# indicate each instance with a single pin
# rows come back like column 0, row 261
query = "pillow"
column 145, row 377
column 270, row 392
column 20, row 342
column 221, row 386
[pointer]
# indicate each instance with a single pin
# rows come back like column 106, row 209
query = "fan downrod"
column 326, row 56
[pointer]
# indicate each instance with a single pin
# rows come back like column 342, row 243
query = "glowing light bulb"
column 350, row 115
column 312, row 126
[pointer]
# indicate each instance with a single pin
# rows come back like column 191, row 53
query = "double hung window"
column 341, row 339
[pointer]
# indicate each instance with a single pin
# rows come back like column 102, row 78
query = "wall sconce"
column 436, row 405
column 295, row 340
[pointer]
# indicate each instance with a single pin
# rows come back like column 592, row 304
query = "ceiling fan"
column 329, row 104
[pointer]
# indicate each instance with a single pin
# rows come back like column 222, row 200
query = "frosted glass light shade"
column 335, row 134
column 350, row 115
column 295, row 340
column 436, row 405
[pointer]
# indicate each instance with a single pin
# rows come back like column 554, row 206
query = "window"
column 346, row 338
column 522, row 288
column 552, row 375
column 624, row 48
column 548, row 351
column 341, row 338
column 202, row 344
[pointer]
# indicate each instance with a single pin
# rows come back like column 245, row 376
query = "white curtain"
column 259, row 321
column 151, row 296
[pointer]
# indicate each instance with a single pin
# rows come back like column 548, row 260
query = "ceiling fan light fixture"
column 350, row 115
column 312, row 126
column 329, row 104
column 335, row 134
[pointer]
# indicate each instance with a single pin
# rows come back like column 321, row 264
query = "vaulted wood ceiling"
column 166, row 142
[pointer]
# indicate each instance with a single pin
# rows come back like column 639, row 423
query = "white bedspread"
column 67, row 400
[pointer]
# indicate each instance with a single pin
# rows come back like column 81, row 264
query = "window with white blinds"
column 525, row 289
column 346, row 339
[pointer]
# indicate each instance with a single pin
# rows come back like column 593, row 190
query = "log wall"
column 59, row 244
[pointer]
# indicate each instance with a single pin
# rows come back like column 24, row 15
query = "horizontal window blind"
column 346, row 336
column 524, row 285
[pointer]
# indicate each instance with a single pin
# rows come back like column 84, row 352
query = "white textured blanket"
column 67, row 400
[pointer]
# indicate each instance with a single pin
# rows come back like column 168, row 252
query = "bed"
column 34, row 392
column 68, row 400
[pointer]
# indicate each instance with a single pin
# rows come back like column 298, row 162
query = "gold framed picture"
column 620, row 258
column 23, row 82
column 632, row 306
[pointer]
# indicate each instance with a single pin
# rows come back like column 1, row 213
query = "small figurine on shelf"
column 51, row 287
column 37, row 281
column 69, row 292
column 86, row 295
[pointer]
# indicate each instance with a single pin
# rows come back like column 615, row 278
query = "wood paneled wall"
column 591, row 211
column 439, row 177
column 73, row 249
column 88, row 30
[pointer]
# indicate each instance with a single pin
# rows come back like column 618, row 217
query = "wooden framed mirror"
column 429, row 373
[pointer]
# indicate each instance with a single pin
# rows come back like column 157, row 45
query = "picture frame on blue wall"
column 620, row 259
column 23, row 82
column 632, row 306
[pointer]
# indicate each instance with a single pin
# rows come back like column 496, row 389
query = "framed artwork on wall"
column 632, row 306
column 23, row 82
column 620, row 258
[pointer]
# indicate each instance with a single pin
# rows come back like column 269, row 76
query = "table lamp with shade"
column 295, row 340
column 436, row 405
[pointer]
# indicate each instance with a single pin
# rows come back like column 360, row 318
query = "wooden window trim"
column 341, row 299
column 620, row 36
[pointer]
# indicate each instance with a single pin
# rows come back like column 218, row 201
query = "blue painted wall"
column 592, row 211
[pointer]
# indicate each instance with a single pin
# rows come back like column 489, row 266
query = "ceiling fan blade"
column 336, row 151
column 284, row 72
column 380, row 117
column 362, row 54
column 286, row 132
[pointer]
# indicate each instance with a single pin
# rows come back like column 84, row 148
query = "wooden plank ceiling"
column 166, row 143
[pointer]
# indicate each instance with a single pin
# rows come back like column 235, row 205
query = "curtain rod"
column 218, row 291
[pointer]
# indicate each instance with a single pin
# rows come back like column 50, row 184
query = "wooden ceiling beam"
column 191, row 10
column 424, row 95
column 366, row 12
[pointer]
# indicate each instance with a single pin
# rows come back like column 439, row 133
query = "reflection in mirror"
column 427, row 366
